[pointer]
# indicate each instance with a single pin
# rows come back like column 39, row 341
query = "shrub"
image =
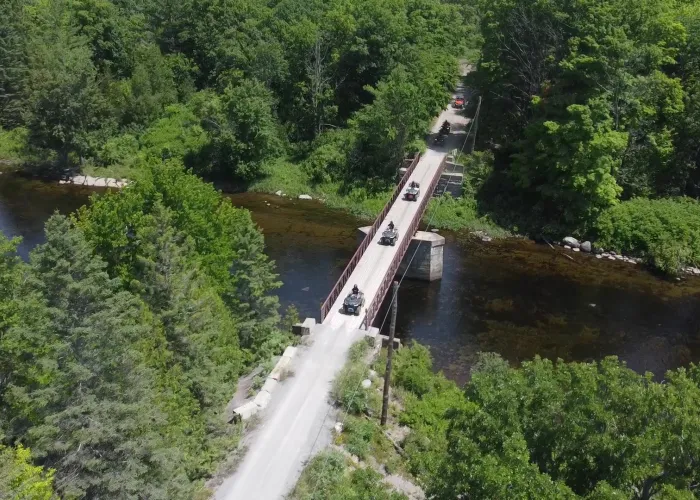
column 12, row 142
column 413, row 369
column 347, row 390
column 359, row 433
column 665, row 232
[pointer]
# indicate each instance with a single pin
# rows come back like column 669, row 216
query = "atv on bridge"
column 412, row 192
column 353, row 303
column 389, row 236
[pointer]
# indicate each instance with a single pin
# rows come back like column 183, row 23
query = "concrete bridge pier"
column 427, row 248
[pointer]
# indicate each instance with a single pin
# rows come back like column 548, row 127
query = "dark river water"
column 512, row 297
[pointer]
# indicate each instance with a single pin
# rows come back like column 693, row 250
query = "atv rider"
column 445, row 129
column 391, row 225
column 355, row 290
column 414, row 184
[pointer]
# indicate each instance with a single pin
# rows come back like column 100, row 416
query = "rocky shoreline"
column 572, row 244
column 87, row 180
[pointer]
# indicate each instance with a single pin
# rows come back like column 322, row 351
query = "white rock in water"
column 305, row 197
column 567, row 247
column 572, row 242
column 279, row 193
column 366, row 383
column 611, row 258
column 598, row 256
column 577, row 249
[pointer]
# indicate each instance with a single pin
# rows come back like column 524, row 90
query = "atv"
column 459, row 102
column 389, row 237
column 412, row 192
column 353, row 303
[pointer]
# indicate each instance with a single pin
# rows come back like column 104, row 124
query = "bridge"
column 297, row 424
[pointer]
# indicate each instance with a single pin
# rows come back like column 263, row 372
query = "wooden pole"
column 476, row 125
column 390, row 352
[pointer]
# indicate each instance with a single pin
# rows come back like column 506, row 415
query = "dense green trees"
column 122, row 339
column 551, row 430
column 590, row 103
column 20, row 479
column 233, row 84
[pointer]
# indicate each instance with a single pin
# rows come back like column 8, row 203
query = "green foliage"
column 227, row 243
column 328, row 477
column 553, row 430
column 561, row 429
column 358, row 434
column 412, row 369
column 588, row 105
column 226, row 85
column 91, row 377
column 21, row 480
column 347, row 391
column 66, row 111
column 665, row 232
column 121, row 340
column 242, row 129
column 12, row 143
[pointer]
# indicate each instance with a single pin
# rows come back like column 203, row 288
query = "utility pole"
column 390, row 352
column 476, row 124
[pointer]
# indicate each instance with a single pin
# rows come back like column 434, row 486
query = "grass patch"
column 12, row 142
column 290, row 178
column 456, row 214
column 329, row 476
column 116, row 171
column 347, row 391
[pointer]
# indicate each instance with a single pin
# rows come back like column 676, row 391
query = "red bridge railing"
column 333, row 296
column 376, row 303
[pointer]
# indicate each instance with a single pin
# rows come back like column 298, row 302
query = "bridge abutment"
column 428, row 260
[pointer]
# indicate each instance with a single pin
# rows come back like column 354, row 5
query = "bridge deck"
column 376, row 261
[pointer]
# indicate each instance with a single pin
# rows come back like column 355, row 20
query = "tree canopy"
column 122, row 339
column 552, row 430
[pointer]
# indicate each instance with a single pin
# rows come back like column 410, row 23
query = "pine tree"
column 95, row 419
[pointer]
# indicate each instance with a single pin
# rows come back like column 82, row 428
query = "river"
column 513, row 297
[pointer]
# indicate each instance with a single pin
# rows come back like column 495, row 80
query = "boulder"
column 576, row 249
column 305, row 197
column 586, row 246
column 366, row 383
column 571, row 241
column 598, row 251
column 279, row 193
column 338, row 427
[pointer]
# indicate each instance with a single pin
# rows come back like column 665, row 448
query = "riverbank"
column 444, row 212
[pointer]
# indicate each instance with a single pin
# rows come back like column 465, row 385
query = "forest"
column 122, row 339
column 225, row 86
column 591, row 111
column 123, row 335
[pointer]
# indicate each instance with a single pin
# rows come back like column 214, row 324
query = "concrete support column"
column 426, row 249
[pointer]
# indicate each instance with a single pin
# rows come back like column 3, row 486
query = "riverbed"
column 513, row 297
